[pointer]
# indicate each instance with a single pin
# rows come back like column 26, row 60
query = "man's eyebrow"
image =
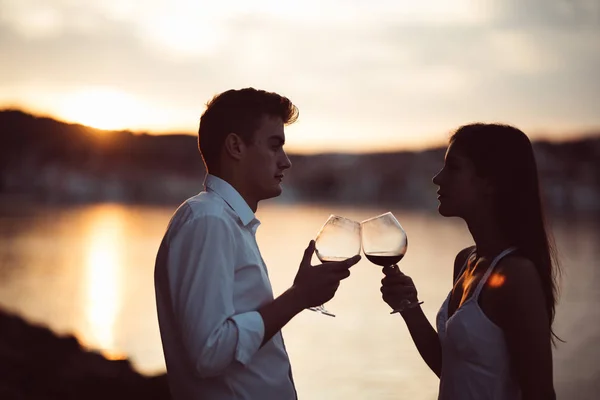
column 277, row 139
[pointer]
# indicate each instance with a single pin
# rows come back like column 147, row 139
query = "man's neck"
column 238, row 185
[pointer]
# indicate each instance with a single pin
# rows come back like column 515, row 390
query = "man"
column 219, row 323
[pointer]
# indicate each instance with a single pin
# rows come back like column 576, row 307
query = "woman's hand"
column 397, row 289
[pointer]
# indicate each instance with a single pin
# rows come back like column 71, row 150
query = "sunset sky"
column 366, row 75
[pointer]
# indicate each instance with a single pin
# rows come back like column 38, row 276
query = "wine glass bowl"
column 337, row 240
column 384, row 242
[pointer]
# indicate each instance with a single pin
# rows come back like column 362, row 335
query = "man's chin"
column 273, row 192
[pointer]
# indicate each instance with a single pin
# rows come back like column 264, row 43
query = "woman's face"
column 461, row 192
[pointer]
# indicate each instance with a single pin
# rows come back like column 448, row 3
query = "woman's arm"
column 397, row 287
column 522, row 315
column 425, row 338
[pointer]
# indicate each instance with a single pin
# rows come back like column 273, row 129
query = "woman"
column 494, row 331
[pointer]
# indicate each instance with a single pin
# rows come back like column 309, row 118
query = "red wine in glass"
column 384, row 243
column 383, row 240
column 384, row 259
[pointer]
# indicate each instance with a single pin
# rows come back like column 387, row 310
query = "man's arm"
column 312, row 286
column 279, row 312
column 200, row 273
column 201, row 276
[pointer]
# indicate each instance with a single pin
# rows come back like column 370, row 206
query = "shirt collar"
column 231, row 196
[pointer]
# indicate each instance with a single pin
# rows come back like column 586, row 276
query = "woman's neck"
column 488, row 237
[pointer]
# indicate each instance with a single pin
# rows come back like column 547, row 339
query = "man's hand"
column 316, row 285
column 312, row 287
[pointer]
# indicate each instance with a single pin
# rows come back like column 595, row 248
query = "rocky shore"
column 37, row 364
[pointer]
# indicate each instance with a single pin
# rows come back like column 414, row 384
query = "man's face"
column 265, row 160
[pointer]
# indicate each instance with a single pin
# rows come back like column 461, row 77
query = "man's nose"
column 285, row 162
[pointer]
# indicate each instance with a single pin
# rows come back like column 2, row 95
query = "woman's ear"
column 489, row 187
column 234, row 146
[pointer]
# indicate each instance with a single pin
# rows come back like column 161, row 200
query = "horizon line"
column 577, row 135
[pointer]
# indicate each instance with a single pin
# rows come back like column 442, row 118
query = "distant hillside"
column 51, row 161
column 57, row 161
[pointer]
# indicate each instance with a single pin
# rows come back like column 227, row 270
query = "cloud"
column 554, row 15
column 350, row 66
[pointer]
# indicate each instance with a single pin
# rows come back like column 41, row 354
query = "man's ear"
column 234, row 146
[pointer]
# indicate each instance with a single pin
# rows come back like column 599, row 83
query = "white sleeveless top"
column 475, row 359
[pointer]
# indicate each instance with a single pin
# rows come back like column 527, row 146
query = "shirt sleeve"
column 201, row 278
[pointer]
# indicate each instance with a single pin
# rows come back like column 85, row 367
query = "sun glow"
column 104, row 257
column 103, row 108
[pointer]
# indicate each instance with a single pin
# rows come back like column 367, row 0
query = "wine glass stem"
column 321, row 309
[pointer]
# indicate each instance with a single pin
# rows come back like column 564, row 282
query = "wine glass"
column 338, row 240
column 384, row 243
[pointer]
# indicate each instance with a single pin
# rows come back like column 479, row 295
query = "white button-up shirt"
column 210, row 280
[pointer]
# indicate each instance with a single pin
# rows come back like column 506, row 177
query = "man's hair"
column 240, row 112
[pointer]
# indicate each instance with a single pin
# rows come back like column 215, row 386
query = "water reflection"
column 88, row 270
column 104, row 245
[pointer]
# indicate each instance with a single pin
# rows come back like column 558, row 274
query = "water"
column 88, row 270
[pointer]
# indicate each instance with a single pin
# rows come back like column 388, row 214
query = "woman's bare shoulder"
column 516, row 280
column 460, row 260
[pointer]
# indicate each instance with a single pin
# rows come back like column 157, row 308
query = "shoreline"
column 37, row 363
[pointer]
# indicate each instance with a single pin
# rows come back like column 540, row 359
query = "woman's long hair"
column 504, row 155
